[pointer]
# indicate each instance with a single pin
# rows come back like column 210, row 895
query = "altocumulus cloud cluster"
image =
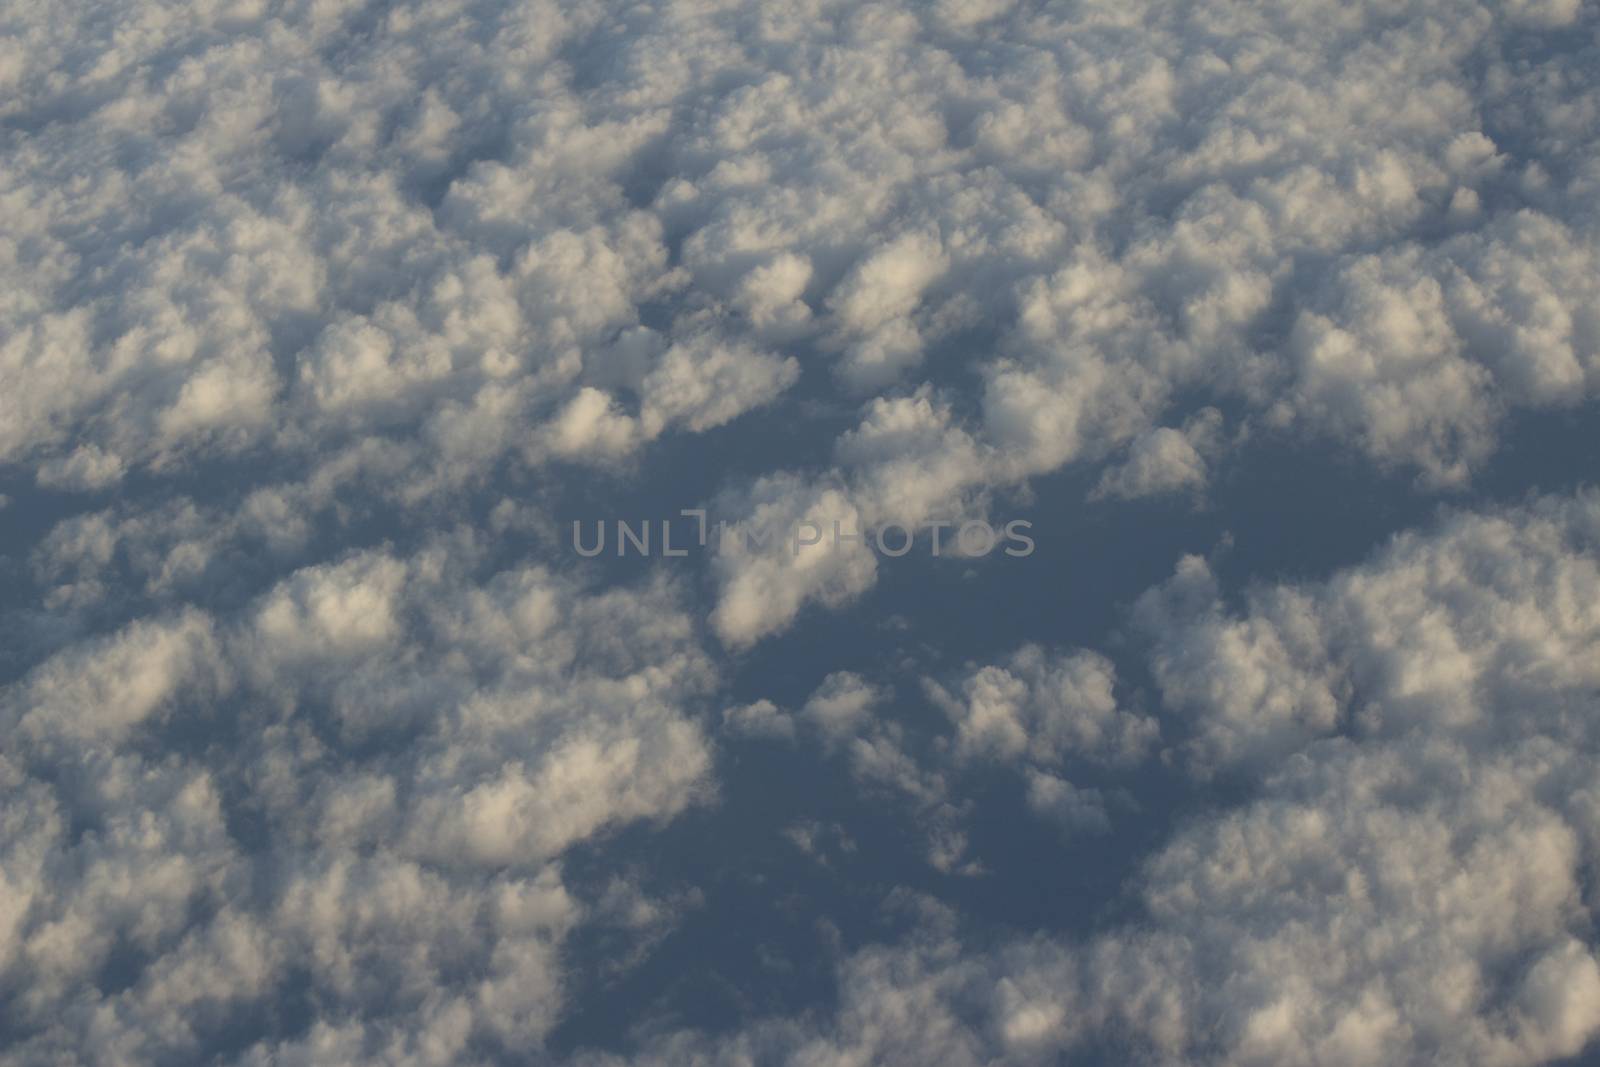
column 315, row 313
column 1411, row 881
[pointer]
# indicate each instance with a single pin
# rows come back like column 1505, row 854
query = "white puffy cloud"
column 842, row 705
column 846, row 715
column 592, row 425
column 1206, row 219
column 909, row 461
column 703, row 383
column 1443, row 630
column 1410, row 879
column 784, row 554
column 872, row 308
column 461, row 248
column 1075, row 808
column 1044, row 709
column 310, row 250
column 761, row 718
column 330, row 290
column 360, row 784
column 1166, row 460
column 104, row 690
column 88, row 467
column 1038, row 714
column 284, row 279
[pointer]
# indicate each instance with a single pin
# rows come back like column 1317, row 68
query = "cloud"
column 1443, row 630
column 1165, row 460
column 330, row 301
column 1037, row 715
column 414, row 269
column 842, row 704
column 106, row 689
column 360, row 783
column 1076, row 809
column 1044, row 708
column 872, row 308
column 86, row 468
column 909, row 461
column 1407, row 879
column 767, row 572
column 706, row 384
column 762, row 718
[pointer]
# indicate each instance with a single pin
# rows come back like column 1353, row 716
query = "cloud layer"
column 1409, row 880
column 317, row 320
